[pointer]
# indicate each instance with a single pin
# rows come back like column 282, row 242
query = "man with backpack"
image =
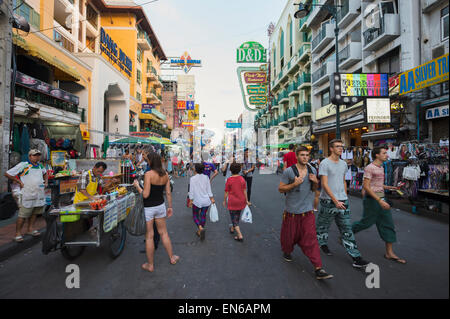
column 299, row 183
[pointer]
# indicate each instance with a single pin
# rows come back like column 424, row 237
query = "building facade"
column 288, row 116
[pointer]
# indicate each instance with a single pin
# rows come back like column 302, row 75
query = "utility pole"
column 5, row 88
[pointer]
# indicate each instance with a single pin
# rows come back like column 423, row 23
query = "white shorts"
column 155, row 212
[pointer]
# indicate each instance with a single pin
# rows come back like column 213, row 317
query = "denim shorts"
column 155, row 212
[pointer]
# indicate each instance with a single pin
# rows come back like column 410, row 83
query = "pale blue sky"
column 211, row 30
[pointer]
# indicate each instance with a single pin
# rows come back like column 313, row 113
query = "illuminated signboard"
column 115, row 54
column 251, row 52
column 425, row 75
column 351, row 88
column 185, row 62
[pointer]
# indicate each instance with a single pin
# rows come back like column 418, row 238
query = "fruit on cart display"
column 98, row 204
column 121, row 190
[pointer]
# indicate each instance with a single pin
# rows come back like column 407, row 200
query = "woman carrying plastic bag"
column 236, row 194
column 247, row 215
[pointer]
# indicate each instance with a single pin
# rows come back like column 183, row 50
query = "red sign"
column 181, row 105
column 255, row 77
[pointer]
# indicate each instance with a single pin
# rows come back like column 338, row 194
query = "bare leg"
column 31, row 222
column 19, row 225
column 238, row 231
column 316, row 199
column 149, row 247
column 162, row 230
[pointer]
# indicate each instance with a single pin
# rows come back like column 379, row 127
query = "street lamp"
column 303, row 11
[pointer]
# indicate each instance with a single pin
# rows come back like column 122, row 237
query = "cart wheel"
column 117, row 239
column 72, row 252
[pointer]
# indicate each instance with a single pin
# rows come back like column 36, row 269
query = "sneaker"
column 358, row 262
column 287, row 257
column 322, row 274
column 326, row 250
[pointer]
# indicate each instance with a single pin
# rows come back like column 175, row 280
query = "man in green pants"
column 376, row 210
column 334, row 204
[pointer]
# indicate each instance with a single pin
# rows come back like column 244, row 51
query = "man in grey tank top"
column 334, row 204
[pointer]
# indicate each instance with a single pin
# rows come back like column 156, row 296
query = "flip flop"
column 202, row 234
column 34, row 233
column 18, row 239
column 177, row 258
column 397, row 260
column 239, row 239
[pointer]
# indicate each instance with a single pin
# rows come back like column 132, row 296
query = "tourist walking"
column 236, row 196
column 299, row 182
column 289, row 158
column 376, row 209
column 156, row 180
column 247, row 172
column 200, row 198
column 334, row 204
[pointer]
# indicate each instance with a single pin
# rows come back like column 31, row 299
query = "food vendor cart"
column 92, row 223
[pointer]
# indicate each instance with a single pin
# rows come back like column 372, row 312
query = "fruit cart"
column 90, row 224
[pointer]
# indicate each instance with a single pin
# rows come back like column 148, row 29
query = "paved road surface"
column 220, row 267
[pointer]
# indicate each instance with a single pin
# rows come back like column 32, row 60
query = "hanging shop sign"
column 258, row 89
column 252, row 81
column 185, row 62
column 251, row 52
column 42, row 87
column 190, row 105
column 115, row 54
column 437, row 112
column 346, row 88
column 425, row 75
column 147, row 108
column 194, row 114
column 255, row 77
column 181, row 105
column 378, row 111
column 258, row 99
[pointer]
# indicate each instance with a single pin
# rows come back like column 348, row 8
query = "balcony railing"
column 292, row 113
column 303, row 108
column 41, row 98
column 319, row 73
column 342, row 12
column 303, row 49
column 303, row 78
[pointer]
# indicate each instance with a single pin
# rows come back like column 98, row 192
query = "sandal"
column 397, row 260
column 18, row 239
column 34, row 233
column 239, row 239
column 176, row 259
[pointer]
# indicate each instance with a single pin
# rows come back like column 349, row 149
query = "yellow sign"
column 425, row 75
column 194, row 115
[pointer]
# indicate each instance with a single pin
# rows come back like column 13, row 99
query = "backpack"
column 297, row 174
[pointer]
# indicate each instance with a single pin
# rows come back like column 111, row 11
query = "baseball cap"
column 34, row 152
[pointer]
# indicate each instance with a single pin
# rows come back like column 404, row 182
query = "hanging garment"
column 411, row 173
column 24, row 144
column 16, row 139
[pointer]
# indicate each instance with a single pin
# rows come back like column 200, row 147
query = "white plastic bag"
column 213, row 213
column 246, row 216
